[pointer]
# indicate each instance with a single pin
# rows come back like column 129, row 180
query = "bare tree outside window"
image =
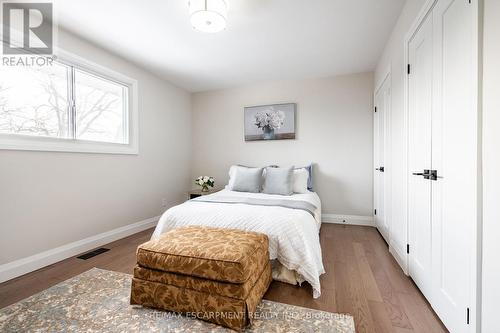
column 36, row 101
column 100, row 112
column 33, row 101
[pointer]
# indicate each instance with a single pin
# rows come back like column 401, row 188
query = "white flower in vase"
column 261, row 119
column 269, row 121
column 205, row 182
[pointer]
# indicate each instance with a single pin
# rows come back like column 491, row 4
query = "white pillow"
column 232, row 171
column 300, row 177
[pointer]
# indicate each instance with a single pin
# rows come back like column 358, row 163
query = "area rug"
column 98, row 301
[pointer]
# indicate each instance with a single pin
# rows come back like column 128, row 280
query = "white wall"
column 491, row 168
column 334, row 130
column 393, row 59
column 50, row 199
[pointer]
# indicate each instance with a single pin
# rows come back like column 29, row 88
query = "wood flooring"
column 361, row 279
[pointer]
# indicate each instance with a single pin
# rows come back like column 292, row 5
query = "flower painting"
column 270, row 122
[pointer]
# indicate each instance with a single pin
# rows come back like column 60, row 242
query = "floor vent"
column 92, row 253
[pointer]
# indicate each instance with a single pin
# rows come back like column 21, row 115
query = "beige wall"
column 334, row 130
column 50, row 199
column 491, row 167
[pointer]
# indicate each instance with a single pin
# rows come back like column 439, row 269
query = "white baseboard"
column 348, row 219
column 401, row 259
column 32, row 263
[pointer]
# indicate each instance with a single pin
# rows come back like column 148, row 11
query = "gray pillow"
column 247, row 179
column 279, row 181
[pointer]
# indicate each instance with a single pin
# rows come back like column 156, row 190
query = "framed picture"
column 270, row 122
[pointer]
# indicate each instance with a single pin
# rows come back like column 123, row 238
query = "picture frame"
column 270, row 122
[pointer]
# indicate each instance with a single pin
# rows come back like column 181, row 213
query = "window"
column 34, row 101
column 68, row 106
column 101, row 109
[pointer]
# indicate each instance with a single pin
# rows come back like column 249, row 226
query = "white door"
column 454, row 156
column 419, row 156
column 381, row 186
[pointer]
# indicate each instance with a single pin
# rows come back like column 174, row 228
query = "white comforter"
column 293, row 233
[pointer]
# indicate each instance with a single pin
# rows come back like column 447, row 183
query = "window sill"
column 20, row 142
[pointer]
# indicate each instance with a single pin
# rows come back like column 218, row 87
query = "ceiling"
column 264, row 40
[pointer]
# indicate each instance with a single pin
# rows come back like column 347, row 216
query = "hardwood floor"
column 361, row 278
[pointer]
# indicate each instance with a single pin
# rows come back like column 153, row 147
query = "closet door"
column 419, row 157
column 381, row 186
column 454, row 157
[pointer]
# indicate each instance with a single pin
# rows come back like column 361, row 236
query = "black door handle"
column 433, row 175
column 381, row 169
column 426, row 174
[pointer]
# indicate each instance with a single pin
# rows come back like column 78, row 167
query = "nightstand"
column 198, row 193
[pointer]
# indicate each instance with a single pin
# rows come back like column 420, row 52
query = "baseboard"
column 348, row 219
column 32, row 263
column 400, row 258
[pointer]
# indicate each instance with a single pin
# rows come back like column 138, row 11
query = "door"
column 381, row 140
column 420, row 52
column 454, row 157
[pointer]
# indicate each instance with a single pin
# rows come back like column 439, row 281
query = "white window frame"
column 36, row 143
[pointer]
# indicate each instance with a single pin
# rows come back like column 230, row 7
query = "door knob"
column 381, row 169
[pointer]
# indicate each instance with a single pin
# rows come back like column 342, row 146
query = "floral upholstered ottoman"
column 218, row 275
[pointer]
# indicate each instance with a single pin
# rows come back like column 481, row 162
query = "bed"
column 292, row 224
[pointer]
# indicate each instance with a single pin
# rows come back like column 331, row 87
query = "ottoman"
column 218, row 275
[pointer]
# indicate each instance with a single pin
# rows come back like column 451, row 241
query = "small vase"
column 204, row 188
column 268, row 133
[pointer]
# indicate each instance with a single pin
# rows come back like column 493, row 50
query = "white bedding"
column 293, row 233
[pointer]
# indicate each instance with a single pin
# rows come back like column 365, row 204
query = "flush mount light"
column 208, row 15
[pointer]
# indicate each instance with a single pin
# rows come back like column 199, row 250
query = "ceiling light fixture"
column 208, row 15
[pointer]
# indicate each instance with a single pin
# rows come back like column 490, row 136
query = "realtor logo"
column 27, row 28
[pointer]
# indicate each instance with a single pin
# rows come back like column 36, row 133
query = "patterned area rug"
column 98, row 301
